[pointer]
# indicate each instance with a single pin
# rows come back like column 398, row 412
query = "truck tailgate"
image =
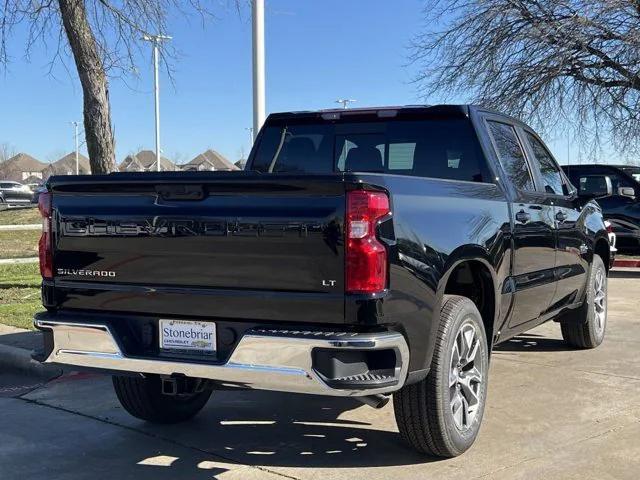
column 230, row 245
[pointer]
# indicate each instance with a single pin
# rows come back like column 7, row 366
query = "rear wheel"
column 585, row 328
column 441, row 414
column 143, row 398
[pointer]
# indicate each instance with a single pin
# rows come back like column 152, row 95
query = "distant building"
column 67, row 166
column 241, row 163
column 209, row 160
column 145, row 161
column 21, row 167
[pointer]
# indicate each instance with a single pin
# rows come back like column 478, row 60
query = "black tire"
column 142, row 397
column 424, row 410
column 584, row 328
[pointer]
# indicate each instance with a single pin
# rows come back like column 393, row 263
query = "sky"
column 316, row 52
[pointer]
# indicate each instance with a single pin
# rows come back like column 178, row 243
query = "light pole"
column 257, row 7
column 345, row 102
column 75, row 135
column 155, row 40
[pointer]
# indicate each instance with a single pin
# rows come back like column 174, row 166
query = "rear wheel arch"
column 475, row 279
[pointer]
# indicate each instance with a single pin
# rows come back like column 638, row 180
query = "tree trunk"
column 95, row 88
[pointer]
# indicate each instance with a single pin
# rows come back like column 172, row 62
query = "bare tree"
column 569, row 63
column 104, row 37
column 6, row 152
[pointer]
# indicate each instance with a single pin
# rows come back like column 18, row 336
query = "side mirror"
column 626, row 192
column 595, row 186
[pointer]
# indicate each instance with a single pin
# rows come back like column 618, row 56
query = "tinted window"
column 549, row 171
column 360, row 152
column 511, row 155
column 442, row 148
column 575, row 173
column 618, row 180
column 633, row 171
column 295, row 149
column 594, row 184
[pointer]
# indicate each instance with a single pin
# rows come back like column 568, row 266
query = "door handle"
column 561, row 216
column 522, row 217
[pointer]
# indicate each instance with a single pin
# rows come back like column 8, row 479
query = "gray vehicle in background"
column 15, row 192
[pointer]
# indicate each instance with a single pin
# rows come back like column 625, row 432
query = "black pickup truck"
column 617, row 190
column 361, row 253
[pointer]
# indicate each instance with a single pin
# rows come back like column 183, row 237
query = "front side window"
column 511, row 155
column 549, row 171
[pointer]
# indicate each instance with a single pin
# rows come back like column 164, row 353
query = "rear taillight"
column 366, row 257
column 45, row 244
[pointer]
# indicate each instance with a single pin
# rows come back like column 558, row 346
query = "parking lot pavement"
column 553, row 412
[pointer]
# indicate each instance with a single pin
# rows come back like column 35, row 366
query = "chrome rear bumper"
column 279, row 360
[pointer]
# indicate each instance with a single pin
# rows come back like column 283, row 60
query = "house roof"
column 24, row 162
column 13, row 168
column 146, row 159
column 210, row 156
column 67, row 164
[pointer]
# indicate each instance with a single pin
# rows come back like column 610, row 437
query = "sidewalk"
column 12, row 228
column 16, row 347
column 12, row 261
column 20, row 338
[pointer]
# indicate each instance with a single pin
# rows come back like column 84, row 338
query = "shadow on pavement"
column 31, row 340
column 533, row 343
column 625, row 274
column 274, row 429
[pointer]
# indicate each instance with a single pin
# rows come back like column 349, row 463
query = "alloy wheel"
column 600, row 302
column 466, row 376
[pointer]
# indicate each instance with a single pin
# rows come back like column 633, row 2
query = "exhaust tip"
column 376, row 401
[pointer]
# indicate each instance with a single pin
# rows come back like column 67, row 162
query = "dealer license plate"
column 187, row 336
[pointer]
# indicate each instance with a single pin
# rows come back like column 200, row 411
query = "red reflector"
column 608, row 226
column 366, row 256
column 45, row 252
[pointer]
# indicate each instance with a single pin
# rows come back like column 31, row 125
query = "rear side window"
column 438, row 148
column 511, row 155
column 549, row 171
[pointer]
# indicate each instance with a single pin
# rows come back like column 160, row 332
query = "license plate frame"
column 190, row 337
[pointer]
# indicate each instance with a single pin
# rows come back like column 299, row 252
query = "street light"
column 345, row 102
column 155, row 40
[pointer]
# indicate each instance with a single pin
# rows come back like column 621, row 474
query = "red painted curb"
column 626, row 263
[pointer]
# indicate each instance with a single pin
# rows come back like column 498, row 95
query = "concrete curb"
column 15, row 228
column 13, row 261
column 19, row 359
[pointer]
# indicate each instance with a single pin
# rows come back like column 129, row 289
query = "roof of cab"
column 384, row 111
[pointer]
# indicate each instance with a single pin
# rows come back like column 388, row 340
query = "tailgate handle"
column 180, row 192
